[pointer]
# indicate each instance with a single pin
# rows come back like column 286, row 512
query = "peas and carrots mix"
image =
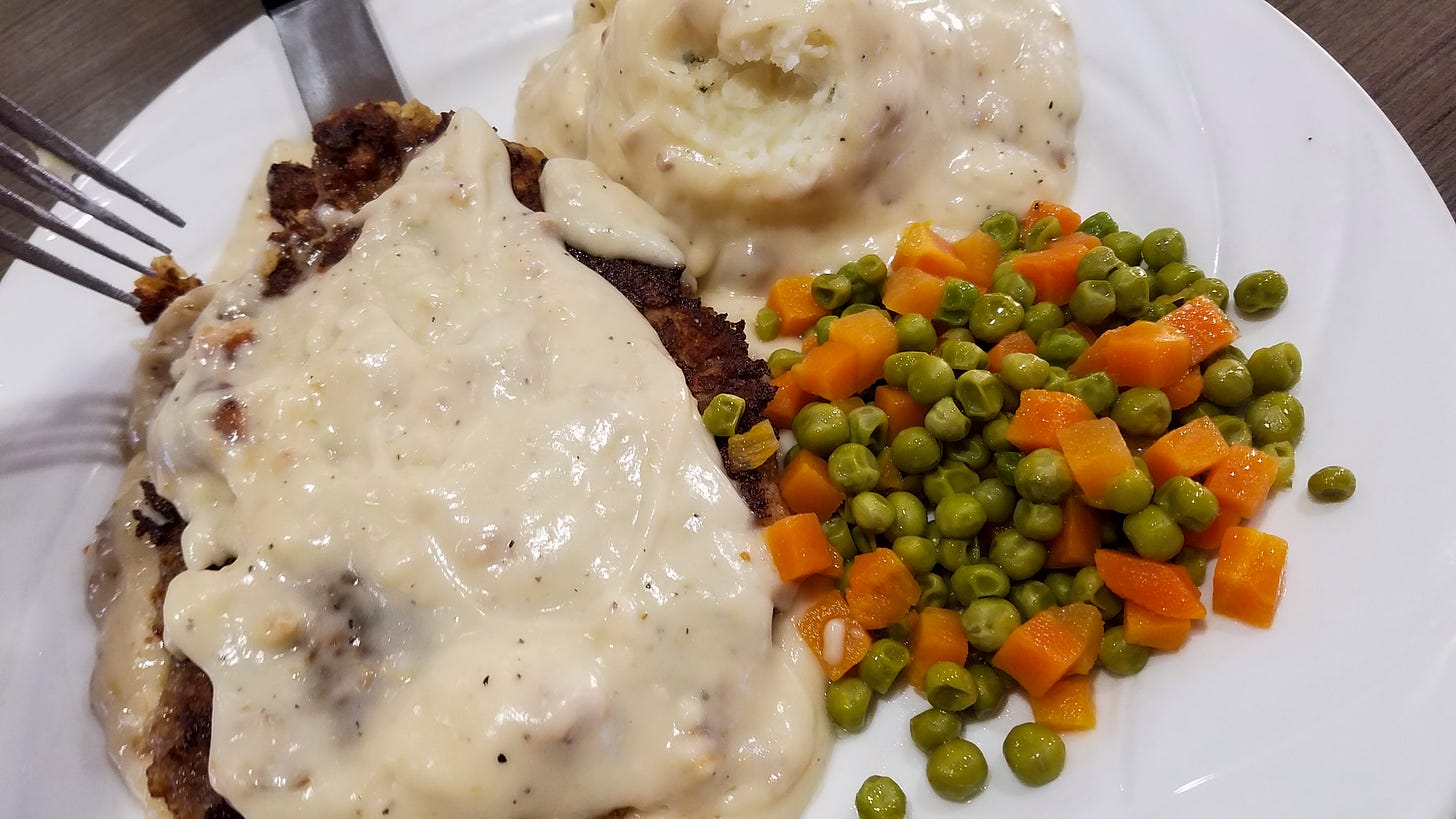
column 1014, row 456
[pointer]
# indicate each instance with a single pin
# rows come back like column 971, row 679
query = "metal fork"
column 28, row 127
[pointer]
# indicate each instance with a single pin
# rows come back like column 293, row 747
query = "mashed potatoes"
column 783, row 135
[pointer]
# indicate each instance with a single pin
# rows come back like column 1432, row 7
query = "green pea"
column 1087, row 587
column 836, row 529
column 1035, row 753
column 1097, row 390
column 1164, row 246
column 962, row 355
column 1005, row 464
column 934, row 591
column 1032, row 597
column 883, row 663
column 868, row 427
column 1041, row 317
column 1154, row 534
column 1258, row 292
column 1004, row 227
column 1276, row 367
column 1214, row 289
column 1132, row 290
column 955, row 334
column 1016, row 286
column 1057, row 379
column 1093, row 302
column 1196, row 562
column 880, row 797
column 831, row 291
column 1038, row 521
column 1158, row 307
column 1097, row 264
column 1043, row 476
column 919, row 553
column 973, row 581
column 994, row 433
column 854, row 468
column 820, row 428
column 933, row 728
column 1142, row 412
column 956, row 553
column 956, row 301
column 1061, row 346
column 996, row 498
column 1098, row 224
column 1234, row 430
column 960, row 515
column 1227, row 382
column 946, row 422
column 1129, row 492
column 1017, row 555
column 722, row 414
column 995, row 316
column 951, row 476
column 957, row 770
column 971, row 451
column 1332, row 484
column 1119, row 656
column 1061, row 585
column 1199, row 409
column 989, row 621
column 1275, row 416
column 931, row 379
column 1024, row 371
column 781, row 361
column 1190, row 503
column 766, row 324
column 910, row 515
column 1175, row 277
column 1042, row 232
column 950, row 687
column 916, row 333
column 848, row 701
column 821, row 328
column 992, row 691
column 979, row 394
column 872, row 512
column 1127, row 245
column 915, row 451
column 899, row 365
column 863, row 306
column 1284, row 451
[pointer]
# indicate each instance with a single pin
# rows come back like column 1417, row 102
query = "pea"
column 963, row 355
column 1173, row 278
column 934, row 591
column 1098, row 224
column 853, row 468
column 1093, row 302
column 1032, row 597
column 955, row 334
column 910, row 515
column 1127, row 245
column 1196, row 562
column 836, row 529
column 1004, row 227
column 951, row 476
column 1275, row 416
column 782, row 360
column 957, row 770
column 1024, row 371
column 721, row 415
column 1061, row 346
column 1332, row 484
column 883, row 663
column 1190, row 503
column 960, row 515
column 1087, row 587
column 1017, row 555
column 1042, row 317
column 916, row 333
column 820, row 428
column 880, row 797
column 1131, row 289
column 1157, row 308
column 956, row 553
column 918, row 552
column 1119, row 656
column 869, row 269
column 971, row 582
column 1227, row 382
column 995, row 316
column 848, row 701
column 766, row 324
column 1258, row 292
column 1129, row 492
column 979, row 394
column 1154, row 533
column 971, row 451
column 1164, row 246
column 1057, row 379
column 931, row 379
column 868, row 427
column 1284, row 451
column 933, row 728
column 950, row 687
column 1061, row 585
column 915, row 451
column 989, row 621
column 1044, row 476
column 1005, row 464
column 1276, row 367
column 821, row 328
column 1142, row 411
column 996, row 499
column 1038, row 521
column 831, row 291
column 994, row 433
column 1097, row 390
column 1231, row 352
column 899, row 365
column 1035, row 753
column 946, row 422
column 861, row 305
column 1097, row 264
column 956, row 301
column 1215, row 289
column 872, row 512
column 864, row 541
column 1235, row 432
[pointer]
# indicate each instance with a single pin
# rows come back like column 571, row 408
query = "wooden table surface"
column 88, row 66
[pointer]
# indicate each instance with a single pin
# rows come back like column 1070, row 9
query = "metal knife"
column 335, row 52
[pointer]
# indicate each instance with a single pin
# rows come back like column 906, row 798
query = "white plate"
column 1220, row 118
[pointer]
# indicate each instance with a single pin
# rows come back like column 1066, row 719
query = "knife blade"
column 335, row 54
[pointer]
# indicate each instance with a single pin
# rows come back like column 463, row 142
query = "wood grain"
column 88, row 66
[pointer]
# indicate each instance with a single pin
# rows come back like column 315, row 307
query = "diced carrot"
column 838, row 642
column 1165, row 588
column 1086, row 622
column 808, row 341
column 798, row 546
column 881, row 588
column 1187, row 450
column 793, row 299
column 1041, row 415
column 892, row 479
column 1097, row 453
column 1212, row 537
column 830, row 370
column 1208, row 329
column 1053, row 271
column 788, row 399
column 980, row 253
column 911, row 290
column 1142, row 354
column 873, row 338
column 1045, row 648
column 1242, row 480
column 1066, row 217
column 1187, row 389
column 924, row 249
column 1079, row 539
column 1017, row 342
column 1249, row 575
column 806, row 487
column 903, row 411
column 1066, row 706
column 1144, row 627
column 936, row 636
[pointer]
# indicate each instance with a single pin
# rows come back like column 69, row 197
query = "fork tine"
column 23, row 250
column 20, row 164
column 32, row 128
column 13, row 201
